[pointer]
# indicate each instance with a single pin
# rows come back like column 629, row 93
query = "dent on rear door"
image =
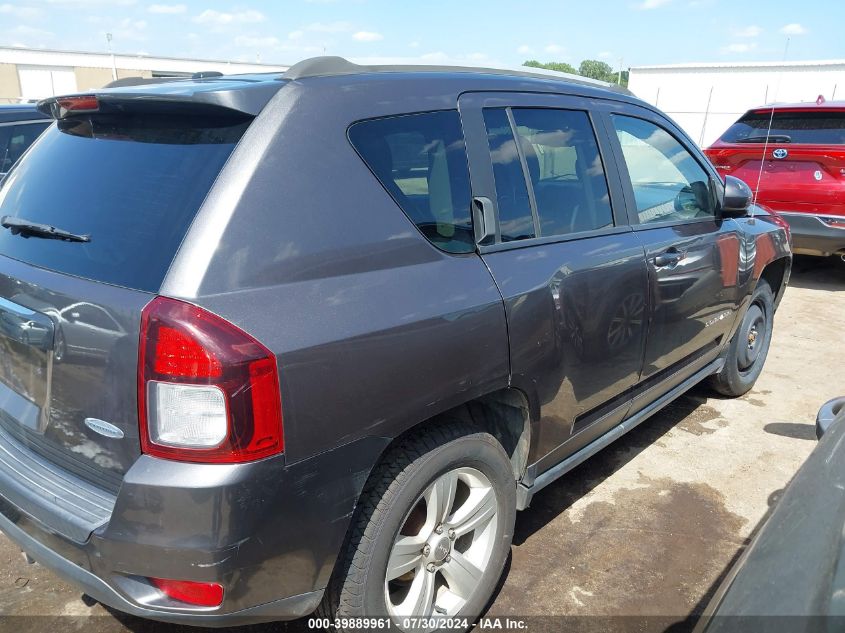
column 574, row 302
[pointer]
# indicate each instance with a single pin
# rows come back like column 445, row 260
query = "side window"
column 669, row 184
column 515, row 219
column 5, row 163
column 22, row 137
column 566, row 170
column 421, row 160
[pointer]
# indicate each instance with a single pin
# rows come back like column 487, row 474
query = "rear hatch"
column 131, row 179
column 800, row 169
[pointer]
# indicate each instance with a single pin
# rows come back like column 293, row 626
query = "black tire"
column 392, row 492
column 747, row 351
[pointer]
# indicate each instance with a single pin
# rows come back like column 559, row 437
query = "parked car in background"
column 325, row 332
column 20, row 125
column 797, row 154
column 792, row 576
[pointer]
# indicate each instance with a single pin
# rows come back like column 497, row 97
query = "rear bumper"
column 97, row 588
column 269, row 532
column 814, row 234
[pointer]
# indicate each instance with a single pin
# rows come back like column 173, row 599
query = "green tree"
column 591, row 68
column 561, row 67
column 595, row 69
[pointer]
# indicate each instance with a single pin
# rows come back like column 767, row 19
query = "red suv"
column 803, row 168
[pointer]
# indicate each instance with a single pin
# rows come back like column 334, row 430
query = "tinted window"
column 515, row 219
column 22, row 136
column 5, row 134
column 133, row 184
column 566, row 170
column 824, row 128
column 421, row 160
column 669, row 184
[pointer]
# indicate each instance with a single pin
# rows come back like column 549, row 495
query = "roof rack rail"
column 327, row 66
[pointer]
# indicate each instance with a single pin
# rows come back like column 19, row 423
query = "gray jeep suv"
column 271, row 342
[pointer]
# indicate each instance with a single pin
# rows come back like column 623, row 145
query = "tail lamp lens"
column 207, row 391
column 199, row 594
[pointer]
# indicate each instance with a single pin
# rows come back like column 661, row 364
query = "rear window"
column 133, row 183
column 818, row 128
column 421, row 160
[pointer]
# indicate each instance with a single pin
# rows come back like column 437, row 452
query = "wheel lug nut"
column 448, row 559
column 426, row 550
column 430, row 567
column 439, row 529
column 452, row 534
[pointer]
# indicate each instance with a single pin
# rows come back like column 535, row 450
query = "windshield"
column 134, row 184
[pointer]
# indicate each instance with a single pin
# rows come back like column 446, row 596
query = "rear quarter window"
column 133, row 183
column 420, row 159
column 810, row 128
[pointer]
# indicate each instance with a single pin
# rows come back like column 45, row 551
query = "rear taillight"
column 207, row 391
column 199, row 594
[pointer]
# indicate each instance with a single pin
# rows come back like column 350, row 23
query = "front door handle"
column 669, row 258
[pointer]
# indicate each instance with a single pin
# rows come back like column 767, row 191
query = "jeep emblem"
column 780, row 153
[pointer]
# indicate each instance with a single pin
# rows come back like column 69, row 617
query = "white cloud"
column 87, row 4
column 553, row 48
column 414, row 44
column 368, row 36
column 329, row 27
column 29, row 31
column 22, row 13
column 793, row 29
column 257, row 42
column 221, row 18
column 739, row 47
column 168, row 9
column 295, row 35
column 525, row 50
column 605, row 55
column 749, row 31
column 647, row 5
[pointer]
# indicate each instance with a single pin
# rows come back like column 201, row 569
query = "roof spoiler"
column 226, row 97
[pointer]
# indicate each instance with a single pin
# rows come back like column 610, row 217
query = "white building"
column 704, row 99
column 35, row 74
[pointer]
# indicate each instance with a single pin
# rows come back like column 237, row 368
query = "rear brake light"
column 207, row 391
column 200, row 594
column 77, row 104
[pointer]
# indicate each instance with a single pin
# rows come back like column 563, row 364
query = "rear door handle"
column 669, row 258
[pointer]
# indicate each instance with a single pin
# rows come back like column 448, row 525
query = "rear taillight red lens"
column 207, row 391
column 199, row 594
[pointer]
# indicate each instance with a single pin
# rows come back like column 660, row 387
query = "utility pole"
column 619, row 74
column 113, row 62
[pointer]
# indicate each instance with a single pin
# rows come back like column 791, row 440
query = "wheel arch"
column 776, row 274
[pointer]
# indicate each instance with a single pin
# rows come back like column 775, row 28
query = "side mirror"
column 736, row 199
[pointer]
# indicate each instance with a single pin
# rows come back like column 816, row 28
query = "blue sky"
column 493, row 32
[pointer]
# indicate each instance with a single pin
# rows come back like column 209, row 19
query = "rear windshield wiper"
column 773, row 138
column 25, row 228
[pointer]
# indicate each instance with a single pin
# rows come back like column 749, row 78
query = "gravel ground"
column 643, row 532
